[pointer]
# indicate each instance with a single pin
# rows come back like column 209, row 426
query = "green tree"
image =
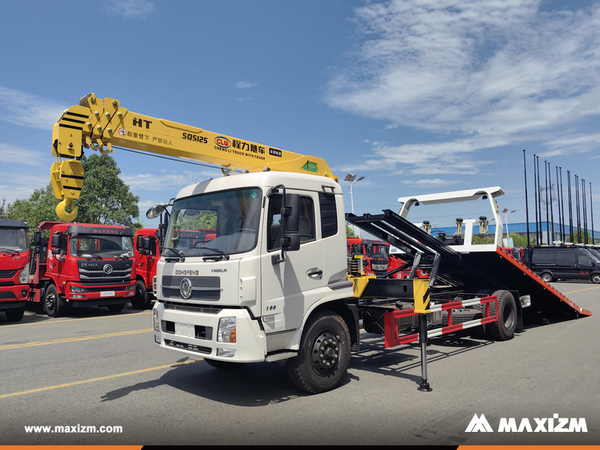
column 575, row 238
column 349, row 232
column 3, row 209
column 105, row 198
column 40, row 206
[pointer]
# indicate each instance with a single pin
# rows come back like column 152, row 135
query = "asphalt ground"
column 95, row 368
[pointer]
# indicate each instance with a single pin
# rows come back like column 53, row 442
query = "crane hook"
column 62, row 213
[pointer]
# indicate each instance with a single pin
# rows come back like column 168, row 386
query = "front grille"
column 93, row 272
column 187, row 307
column 203, row 288
column 191, row 347
column 8, row 273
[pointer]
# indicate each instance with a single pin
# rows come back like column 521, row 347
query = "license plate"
column 107, row 294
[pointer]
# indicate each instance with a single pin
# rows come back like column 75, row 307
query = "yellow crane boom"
column 99, row 124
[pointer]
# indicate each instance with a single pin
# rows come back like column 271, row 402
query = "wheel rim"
column 508, row 317
column 50, row 301
column 325, row 354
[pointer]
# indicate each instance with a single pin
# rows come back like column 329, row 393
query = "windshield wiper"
column 221, row 255
column 94, row 257
column 178, row 253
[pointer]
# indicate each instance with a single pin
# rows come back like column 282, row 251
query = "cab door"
column 291, row 286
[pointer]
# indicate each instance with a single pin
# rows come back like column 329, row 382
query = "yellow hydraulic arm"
column 100, row 124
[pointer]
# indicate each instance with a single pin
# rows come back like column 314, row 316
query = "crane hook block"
column 61, row 210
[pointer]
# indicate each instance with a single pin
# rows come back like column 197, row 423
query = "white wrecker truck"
column 274, row 285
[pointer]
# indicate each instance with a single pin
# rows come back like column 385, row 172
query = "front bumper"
column 193, row 330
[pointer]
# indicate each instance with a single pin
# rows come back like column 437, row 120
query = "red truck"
column 148, row 244
column 82, row 265
column 14, row 268
column 375, row 254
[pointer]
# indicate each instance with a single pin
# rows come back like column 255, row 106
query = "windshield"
column 377, row 251
column 218, row 223
column 101, row 246
column 13, row 239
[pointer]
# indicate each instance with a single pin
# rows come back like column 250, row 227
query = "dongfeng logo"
column 108, row 269
column 185, row 288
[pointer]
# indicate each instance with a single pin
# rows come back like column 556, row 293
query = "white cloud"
column 13, row 154
column 429, row 183
column 130, row 9
column 477, row 74
column 245, row 85
column 163, row 182
column 28, row 110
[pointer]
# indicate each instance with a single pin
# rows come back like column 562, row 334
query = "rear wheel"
column 595, row 278
column 54, row 303
column 504, row 328
column 324, row 354
column 547, row 277
column 14, row 314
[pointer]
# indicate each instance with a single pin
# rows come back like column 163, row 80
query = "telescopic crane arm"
column 101, row 124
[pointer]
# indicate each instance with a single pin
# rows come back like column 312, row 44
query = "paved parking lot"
column 97, row 369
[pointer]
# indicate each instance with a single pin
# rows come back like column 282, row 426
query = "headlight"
column 77, row 289
column 130, row 288
column 155, row 321
column 24, row 275
column 226, row 330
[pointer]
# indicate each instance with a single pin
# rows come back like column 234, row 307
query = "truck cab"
column 82, row 264
column 246, row 295
column 148, row 243
column 14, row 268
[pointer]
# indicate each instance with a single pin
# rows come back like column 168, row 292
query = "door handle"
column 315, row 273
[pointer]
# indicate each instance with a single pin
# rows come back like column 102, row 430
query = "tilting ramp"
column 468, row 272
column 546, row 301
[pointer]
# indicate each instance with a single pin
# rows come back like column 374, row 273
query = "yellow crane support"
column 101, row 124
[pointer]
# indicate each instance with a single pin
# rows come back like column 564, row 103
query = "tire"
column 141, row 299
column 504, row 328
column 223, row 365
column 547, row 277
column 14, row 314
column 324, row 354
column 54, row 303
column 595, row 278
column 116, row 308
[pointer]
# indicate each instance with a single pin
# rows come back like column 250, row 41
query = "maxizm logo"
column 554, row 424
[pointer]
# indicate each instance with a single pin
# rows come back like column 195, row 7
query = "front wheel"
column 324, row 354
column 116, row 308
column 14, row 314
column 141, row 299
column 54, row 303
column 504, row 328
column 223, row 365
column 595, row 278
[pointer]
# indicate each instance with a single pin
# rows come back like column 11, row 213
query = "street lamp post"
column 350, row 178
column 506, row 213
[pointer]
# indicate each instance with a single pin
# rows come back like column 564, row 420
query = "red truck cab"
column 82, row 264
column 14, row 268
column 148, row 244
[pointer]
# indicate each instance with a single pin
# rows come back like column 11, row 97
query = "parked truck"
column 14, row 268
column 148, row 244
column 273, row 284
column 77, row 264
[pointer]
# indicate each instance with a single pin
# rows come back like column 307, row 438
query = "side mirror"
column 291, row 242
column 155, row 211
column 55, row 243
column 139, row 243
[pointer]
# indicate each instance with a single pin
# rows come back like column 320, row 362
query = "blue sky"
column 416, row 96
